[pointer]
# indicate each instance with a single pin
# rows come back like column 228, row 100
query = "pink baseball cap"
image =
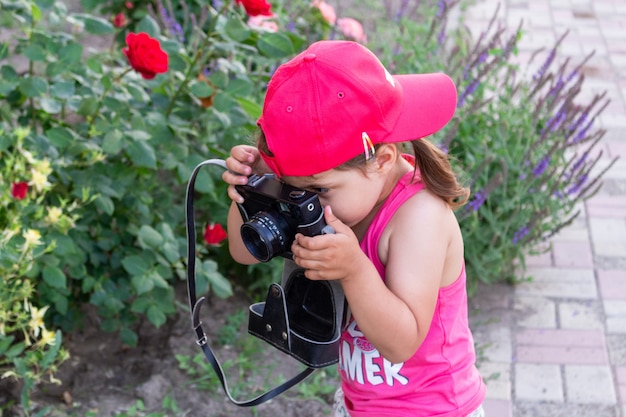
column 319, row 105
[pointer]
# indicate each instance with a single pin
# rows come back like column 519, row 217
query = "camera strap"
column 196, row 303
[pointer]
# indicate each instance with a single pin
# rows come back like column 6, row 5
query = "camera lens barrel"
column 266, row 235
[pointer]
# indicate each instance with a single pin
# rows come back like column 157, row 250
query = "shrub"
column 108, row 117
column 525, row 143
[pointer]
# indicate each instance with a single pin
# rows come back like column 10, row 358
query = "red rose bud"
column 145, row 55
column 120, row 20
column 214, row 234
column 19, row 190
column 256, row 7
column 129, row 5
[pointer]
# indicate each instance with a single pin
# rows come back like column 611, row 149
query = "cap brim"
column 429, row 104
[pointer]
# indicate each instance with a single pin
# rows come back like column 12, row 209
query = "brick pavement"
column 556, row 345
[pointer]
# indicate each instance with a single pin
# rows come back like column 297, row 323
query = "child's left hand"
column 335, row 256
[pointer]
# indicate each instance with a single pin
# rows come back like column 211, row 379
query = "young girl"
column 333, row 122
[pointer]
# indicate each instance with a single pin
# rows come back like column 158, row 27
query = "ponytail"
column 437, row 174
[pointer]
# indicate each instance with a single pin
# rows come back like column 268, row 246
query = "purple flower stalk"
column 545, row 65
column 478, row 201
column 172, row 25
column 521, row 233
column 541, row 167
column 580, row 181
column 468, row 91
column 402, row 10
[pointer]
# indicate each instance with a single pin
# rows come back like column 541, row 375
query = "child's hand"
column 331, row 256
column 244, row 160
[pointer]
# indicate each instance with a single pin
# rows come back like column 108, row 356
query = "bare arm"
column 394, row 315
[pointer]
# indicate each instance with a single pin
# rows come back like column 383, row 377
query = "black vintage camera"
column 300, row 317
column 273, row 212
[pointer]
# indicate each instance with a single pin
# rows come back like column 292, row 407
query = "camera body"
column 273, row 212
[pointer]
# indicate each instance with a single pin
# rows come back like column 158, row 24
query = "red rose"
column 19, row 190
column 214, row 234
column 120, row 20
column 256, row 7
column 145, row 55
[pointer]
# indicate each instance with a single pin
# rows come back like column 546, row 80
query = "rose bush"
column 105, row 140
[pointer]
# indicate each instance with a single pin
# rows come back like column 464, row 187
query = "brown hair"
column 433, row 164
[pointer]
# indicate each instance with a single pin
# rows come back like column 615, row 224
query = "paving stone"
column 608, row 236
column 615, row 311
column 580, row 315
column 498, row 408
column 589, row 384
column 538, row 382
column 612, row 284
column 497, row 377
column 537, row 312
column 606, row 206
column 559, row 409
column 561, row 346
column 572, row 254
column 559, row 282
column 497, row 345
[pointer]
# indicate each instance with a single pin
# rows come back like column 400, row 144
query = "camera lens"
column 266, row 235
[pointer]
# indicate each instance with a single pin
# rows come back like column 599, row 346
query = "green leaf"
column 33, row 86
column 7, row 86
column 52, row 352
column 60, row 137
column 148, row 236
column 105, row 204
column 50, row 105
column 135, row 265
column 8, row 73
column 88, row 106
column 148, row 25
column 62, row 89
column 142, row 154
column 201, row 89
column 97, row 25
column 275, row 45
column 4, row 50
column 34, row 53
column 71, row 54
column 142, row 283
column 240, row 87
column 236, row 29
column 15, row 350
column 156, row 316
column 170, row 250
column 5, row 342
column 129, row 337
column 112, row 142
column 54, row 277
column 219, row 284
column 252, row 108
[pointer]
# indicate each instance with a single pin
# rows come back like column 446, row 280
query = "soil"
column 105, row 378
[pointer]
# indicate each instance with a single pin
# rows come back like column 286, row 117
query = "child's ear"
column 386, row 156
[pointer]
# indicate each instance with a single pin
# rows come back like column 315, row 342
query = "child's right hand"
column 244, row 160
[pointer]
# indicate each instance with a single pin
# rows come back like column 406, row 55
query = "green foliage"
column 29, row 350
column 108, row 153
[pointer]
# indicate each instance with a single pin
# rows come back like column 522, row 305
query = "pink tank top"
column 441, row 378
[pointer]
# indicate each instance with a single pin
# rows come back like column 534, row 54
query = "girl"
column 333, row 122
